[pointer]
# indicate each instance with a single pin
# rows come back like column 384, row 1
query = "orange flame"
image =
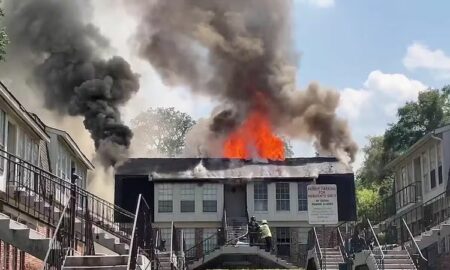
column 254, row 138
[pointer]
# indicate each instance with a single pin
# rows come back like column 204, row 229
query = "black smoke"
column 64, row 52
column 235, row 51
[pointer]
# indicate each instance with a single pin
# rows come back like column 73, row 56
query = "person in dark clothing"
column 357, row 243
column 253, row 231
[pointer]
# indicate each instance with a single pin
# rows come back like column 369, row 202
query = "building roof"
column 30, row 119
column 72, row 145
column 220, row 168
column 425, row 139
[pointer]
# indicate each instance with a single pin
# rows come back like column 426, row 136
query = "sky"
column 377, row 54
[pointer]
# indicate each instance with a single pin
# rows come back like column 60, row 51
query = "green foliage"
column 373, row 169
column 162, row 131
column 416, row 119
column 367, row 199
column 3, row 38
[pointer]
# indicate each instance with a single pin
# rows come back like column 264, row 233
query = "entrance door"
column 236, row 202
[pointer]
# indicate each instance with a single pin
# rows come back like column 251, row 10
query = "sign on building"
column 322, row 205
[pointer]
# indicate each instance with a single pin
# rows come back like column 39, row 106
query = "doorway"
column 235, row 196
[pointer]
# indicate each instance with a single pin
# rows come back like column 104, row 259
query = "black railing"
column 202, row 249
column 413, row 249
column 141, row 240
column 419, row 219
column 388, row 206
column 43, row 195
column 61, row 244
column 88, row 232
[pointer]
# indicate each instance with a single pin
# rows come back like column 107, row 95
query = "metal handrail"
column 193, row 248
column 56, row 179
column 171, row 244
column 414, row 240
column 138, row 238
column 55, row 234
column 342, row 244
column 376, row 240
column 317, row 244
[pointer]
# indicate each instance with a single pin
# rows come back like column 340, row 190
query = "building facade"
column 203, row 196
column 421, row 196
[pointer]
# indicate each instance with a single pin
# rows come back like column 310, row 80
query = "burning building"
column 206, row 196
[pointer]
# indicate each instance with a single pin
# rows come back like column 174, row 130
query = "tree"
column 372, row 170
column 367, row 199
column 161, row 131
column 416, row 119
column 3, row 38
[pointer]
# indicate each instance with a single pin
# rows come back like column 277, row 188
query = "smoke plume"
column 64, row 52
column 239, row 52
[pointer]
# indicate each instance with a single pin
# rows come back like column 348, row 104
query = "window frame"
column 209, row 198
column 260, row 197
column 187, row 198
column 165, row 198
column 302, row 198
column 282, row 204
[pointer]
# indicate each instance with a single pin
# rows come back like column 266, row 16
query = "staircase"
column 434, row 235
column 235, row 250
column 22, row 237
column 104, row 262
column 331, row 258
column 41, row 207
column 394, row 259
column 329, row 252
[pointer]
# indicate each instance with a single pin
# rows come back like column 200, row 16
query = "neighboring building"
column 65, row 154
column 421, row 197
column 201, row 196
column 421, row 173
column 21, row 134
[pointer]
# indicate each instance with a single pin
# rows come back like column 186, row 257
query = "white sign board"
column 322, row 205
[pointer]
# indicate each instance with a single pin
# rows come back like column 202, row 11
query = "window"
column 209, row 239
column 260, row 196
column 20, row 146
column 439, row 159
column 425, row 171
column 283, row 241
column 165, row 196
column 282, row 196
column 433, row 166
column 187, row 202
column 2, row 138
column 189, row 242
column 302, row 196
column 210, row 198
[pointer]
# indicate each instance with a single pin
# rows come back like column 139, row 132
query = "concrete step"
column 22, row 237
column 96, row 260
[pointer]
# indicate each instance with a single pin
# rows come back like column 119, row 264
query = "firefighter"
column 266, row 235
column 253, row 230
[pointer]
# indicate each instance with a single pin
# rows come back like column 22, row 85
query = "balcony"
column 397, row 202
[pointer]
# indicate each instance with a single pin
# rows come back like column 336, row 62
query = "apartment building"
column 203, row 196
column 33, row 159
column 421, row 196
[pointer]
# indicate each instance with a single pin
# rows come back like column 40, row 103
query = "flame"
column 254, row 138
